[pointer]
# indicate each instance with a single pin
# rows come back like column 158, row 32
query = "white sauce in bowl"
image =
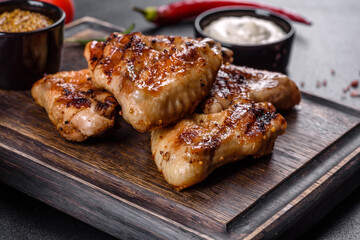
column 244, row 30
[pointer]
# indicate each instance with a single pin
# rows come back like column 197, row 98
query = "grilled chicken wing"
column 256, row 85
column 229, row 127
column 157, row 80
column 189, row 151
column 75, row 106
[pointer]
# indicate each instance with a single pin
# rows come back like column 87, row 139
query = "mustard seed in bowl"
column 23, row 21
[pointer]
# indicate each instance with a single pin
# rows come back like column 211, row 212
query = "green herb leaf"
column 129, row 29
column 83, row 42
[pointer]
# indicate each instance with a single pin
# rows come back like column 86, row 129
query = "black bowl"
column 272, row 56
column 26, row 56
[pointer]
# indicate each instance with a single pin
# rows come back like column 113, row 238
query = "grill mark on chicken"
column 76, row 107
column 74, row 99
column 96, row 53
column 157, row 80
column 258, row 119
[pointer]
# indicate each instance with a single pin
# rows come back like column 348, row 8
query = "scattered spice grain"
column 354, row 83
column 355, row 94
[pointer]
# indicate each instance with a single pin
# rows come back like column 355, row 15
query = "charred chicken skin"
column 75, row 106
column 236, row 120
column 256, row 85
column 157, row 80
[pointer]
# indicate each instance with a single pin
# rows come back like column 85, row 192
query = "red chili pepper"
column 177, row 11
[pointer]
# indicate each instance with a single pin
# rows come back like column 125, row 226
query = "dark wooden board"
column 112, row 183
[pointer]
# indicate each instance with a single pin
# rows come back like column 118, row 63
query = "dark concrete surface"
column 331, row 43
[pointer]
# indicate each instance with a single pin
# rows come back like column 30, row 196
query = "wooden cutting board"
column 112, row 183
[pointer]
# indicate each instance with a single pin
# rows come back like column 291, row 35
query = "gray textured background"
column 332, row 43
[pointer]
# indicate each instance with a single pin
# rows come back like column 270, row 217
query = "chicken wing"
column 157, row 80
column 236, row 120
column 75, row 106
column 256, row 85
column 189, row 151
